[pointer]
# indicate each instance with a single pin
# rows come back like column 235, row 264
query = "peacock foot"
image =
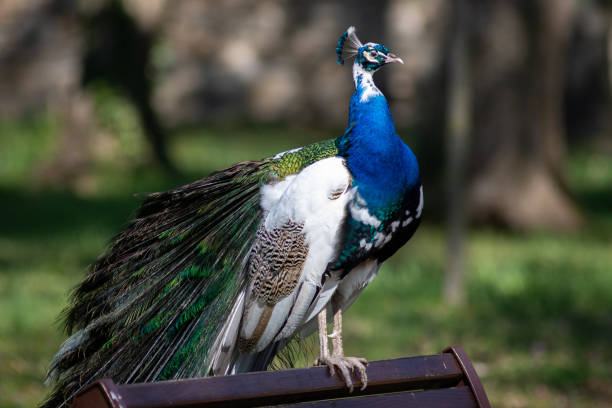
column 344, row 364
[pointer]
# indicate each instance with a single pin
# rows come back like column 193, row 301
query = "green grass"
column 536, row 323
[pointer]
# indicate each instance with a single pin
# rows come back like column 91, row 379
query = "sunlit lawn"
column 537, row 323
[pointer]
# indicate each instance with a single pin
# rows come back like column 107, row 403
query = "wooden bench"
column 444, row 380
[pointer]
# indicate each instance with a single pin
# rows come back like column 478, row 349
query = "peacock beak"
column 393, row 58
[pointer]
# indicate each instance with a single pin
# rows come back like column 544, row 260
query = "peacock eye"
column 374, row 53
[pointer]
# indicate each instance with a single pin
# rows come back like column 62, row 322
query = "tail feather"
column 151, row 308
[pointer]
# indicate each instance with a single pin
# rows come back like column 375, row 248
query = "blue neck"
column 382, row 166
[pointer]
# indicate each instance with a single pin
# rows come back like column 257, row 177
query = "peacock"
column 218, row 276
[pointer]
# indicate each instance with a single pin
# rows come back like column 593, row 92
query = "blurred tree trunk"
column 118, row 51
column 458, row 119
column 109, row 45
column 518, row 152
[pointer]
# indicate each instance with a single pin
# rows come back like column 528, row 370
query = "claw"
column 343, row 364
column 320, row 362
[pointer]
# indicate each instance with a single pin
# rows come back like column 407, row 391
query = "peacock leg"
column 337, row 358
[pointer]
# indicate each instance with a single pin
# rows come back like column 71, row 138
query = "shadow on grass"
column 43, row 214
column 596, row 202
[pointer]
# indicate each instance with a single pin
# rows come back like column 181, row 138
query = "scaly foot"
column 337, row 359
column 343, row 364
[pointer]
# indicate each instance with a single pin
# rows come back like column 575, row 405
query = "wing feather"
column 295, row 243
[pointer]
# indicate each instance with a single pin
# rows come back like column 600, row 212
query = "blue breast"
column 384, row 169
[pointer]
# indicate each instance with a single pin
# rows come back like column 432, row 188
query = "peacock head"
column 369, row 56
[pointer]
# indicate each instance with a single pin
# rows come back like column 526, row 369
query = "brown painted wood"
column 460, row 397
column 306, row 384
column 472, row 379
column 101, row 394
column 447, row 373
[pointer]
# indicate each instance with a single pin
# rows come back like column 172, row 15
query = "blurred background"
column 507, row 104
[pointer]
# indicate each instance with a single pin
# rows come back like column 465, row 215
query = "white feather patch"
column 224, row 344
column 300, row 307
column 324, row 297
column 359, row 211
column 303, row 199
column 271, row 193
column 279, row 316
column 381, row 239
column 420, row 207
column 367, row 83
column 394, row 225
column 344, row 292
column 407, row 222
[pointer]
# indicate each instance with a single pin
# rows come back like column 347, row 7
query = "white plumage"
column 316, row 199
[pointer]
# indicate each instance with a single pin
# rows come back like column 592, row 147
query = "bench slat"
column 460, row 397
column 445, row 377
column 305, row 384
